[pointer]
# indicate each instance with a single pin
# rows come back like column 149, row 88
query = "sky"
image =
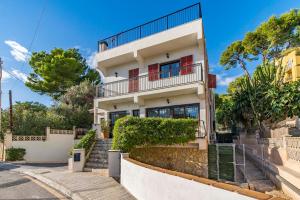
column 81, row 23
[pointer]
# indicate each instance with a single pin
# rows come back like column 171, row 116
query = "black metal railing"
column 154, row 81
column 174, row 19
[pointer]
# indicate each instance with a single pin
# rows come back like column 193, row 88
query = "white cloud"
column 19, row 52
column 19, row 75
column 222, row 80
column 91, row 60
column 5, row 75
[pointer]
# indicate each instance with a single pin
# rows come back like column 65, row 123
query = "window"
column 153, row 113
column 169, row 69
column 136, row 113
column 179, row 111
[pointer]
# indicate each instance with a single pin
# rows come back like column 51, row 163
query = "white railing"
column 61, row 131
column 150, row 82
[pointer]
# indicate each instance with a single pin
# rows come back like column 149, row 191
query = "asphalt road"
column 14, row 185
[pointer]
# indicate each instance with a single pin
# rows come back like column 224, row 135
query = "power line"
column 38, row 25
column 33, row 38
column 13, row 75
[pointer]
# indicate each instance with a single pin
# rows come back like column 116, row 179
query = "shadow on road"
column 14, row 183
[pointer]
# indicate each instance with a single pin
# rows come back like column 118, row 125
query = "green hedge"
column 86, row 141
column 13, row 154
column 133, row 131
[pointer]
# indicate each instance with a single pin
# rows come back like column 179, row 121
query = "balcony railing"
column 154, row 81
column 174, row 19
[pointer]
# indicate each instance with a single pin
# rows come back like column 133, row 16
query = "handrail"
column 182, row 16
column 153, row 81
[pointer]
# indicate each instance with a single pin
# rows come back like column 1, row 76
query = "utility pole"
column 10, row 112
column 1, row 62
column 1, row 109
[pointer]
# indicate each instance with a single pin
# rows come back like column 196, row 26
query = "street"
column 14, row 185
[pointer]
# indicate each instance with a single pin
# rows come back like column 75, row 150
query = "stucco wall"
column 122, row 70
column 148, row 184
column 186, row 159
column 55, row 149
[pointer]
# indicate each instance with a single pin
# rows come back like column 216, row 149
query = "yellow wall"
column 291, row 61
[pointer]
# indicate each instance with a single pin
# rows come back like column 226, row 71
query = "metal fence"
column 174, row 19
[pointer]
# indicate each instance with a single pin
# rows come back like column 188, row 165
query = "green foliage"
column 285, row 101
column 253, row 96
column 130, row 132
column 105, row 128
column 80, row 95
column 86, row 141
column 55, row 72
column 14, row 154
column 29, row 118
column 224, row 111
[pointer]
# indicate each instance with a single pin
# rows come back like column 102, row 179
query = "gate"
column 222, row 162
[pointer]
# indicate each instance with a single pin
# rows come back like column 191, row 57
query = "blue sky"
column 81, row 23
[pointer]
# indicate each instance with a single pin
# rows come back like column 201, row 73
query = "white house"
column 158, row 69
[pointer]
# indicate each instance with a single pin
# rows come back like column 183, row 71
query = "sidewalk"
column 80, row 185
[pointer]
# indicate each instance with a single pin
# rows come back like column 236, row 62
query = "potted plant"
column 105, row 128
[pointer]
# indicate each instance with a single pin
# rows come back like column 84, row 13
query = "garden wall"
column 147, row 182
column 54, row 147
column 187, row 159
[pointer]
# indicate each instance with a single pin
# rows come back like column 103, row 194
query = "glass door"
column 113, row 117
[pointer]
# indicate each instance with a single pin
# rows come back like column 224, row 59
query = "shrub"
column 13, row 154
column 86, row 141
column 132, row 131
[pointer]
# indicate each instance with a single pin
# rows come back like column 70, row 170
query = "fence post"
column 218, row 170
column 48, row 131
column 244, row 158
column 74, row 132
column 234, row 161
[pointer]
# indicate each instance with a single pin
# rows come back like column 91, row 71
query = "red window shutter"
column 153, row 72
column 133, row 80
column 212, row 81
column 186, row 64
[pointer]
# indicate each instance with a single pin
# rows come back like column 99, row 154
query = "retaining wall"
column 187, row 159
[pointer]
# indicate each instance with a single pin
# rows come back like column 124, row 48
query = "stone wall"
column 186, row 159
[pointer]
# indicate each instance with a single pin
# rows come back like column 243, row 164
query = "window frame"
column 169, row 63
column 172, row 110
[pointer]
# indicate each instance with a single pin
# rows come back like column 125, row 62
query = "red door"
column 133, row 80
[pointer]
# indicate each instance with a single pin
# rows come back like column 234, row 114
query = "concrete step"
column 95, row 156
column 97, row 160
column 100, row 152
column 96, row 165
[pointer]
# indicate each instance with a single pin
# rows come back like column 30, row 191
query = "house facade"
column 158, row 69
column 291, row 62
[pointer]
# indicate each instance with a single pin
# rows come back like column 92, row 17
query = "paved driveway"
column 14, row 185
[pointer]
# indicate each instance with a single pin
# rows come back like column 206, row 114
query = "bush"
column 86, row 141
column 132, row 131
column 13, row 154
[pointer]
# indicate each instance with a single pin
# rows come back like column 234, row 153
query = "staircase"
column 98, row 158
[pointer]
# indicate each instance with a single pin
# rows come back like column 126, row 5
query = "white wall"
column 122, row 70
column 147, row 184
column 55, row 149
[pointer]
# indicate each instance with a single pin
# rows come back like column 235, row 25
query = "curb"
column 62, row 189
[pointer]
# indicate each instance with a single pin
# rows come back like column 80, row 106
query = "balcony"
column 185, row 80
column 169, row 21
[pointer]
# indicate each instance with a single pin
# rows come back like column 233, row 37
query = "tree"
column 266, row 43
column 80, row 95
column 235, row 55
column 55, row 72
column 224, row 113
